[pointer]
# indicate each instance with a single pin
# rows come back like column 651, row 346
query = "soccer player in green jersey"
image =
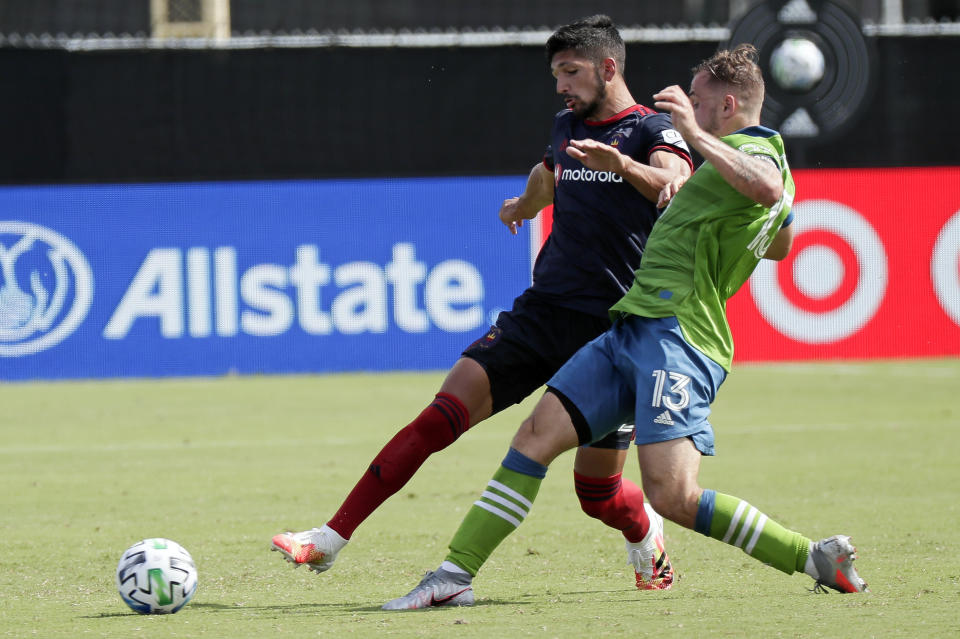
column 670, row 348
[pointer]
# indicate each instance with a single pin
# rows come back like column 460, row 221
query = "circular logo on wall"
column 818, row 60
column 46, row 288
column 832, row 283
column 945, row 268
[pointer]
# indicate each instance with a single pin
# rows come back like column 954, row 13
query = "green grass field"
column 220, row 465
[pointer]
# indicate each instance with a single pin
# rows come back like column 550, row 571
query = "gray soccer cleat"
column 833, row 558
column 438, row 588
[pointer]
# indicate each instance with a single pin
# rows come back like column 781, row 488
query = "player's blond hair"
column 738, row 70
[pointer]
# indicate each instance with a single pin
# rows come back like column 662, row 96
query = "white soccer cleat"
column 438, row 588
column 649, row 558
column 316, row 548
column 833, row 558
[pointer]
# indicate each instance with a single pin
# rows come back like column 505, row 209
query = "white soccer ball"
column 797, row 64
column 156, row 576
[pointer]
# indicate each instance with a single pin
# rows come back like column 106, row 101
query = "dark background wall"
column 259, row 16
column 322, row 112
column 274, row 16
column 196, row 115
column 129, row 114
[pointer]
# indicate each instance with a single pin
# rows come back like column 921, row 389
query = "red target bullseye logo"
column 945, row 268
column 833, row 281
column 820, row 273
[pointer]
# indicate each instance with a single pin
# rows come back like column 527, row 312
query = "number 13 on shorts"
column 677, row 397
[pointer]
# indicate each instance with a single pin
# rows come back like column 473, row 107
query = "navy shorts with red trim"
column 528, row 345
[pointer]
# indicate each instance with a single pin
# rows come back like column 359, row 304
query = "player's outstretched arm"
column 670, row 189
column 756, row 178
column 649, row 179
column 537, row 194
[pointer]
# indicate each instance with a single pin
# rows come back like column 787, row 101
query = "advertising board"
column 251, row 277
column 352, row 275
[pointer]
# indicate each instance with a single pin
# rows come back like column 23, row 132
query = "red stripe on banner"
column 546, row 223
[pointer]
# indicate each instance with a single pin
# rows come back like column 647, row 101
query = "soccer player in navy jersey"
column 669, row 350
column 602, row 219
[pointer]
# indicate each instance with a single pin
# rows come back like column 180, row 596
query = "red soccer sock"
column 438, row 426
column 616, row 502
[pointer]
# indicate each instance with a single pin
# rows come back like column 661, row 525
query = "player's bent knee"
column 676, row 503
column 542, row 439
column 595, row 509
column 430, row 437
column 526, row 439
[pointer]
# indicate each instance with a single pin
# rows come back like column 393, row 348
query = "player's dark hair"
column 595, row 38
column 737, row 68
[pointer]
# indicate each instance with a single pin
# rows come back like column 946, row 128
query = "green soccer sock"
column 501, row 508
column 735, row 522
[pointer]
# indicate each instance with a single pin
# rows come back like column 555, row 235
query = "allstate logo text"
column 200, row 293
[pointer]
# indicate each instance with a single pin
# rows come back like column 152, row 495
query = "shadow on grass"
column 108, row 615
column 295, row 609
column 351, row 608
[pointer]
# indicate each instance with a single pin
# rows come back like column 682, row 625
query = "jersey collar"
column 619, row 116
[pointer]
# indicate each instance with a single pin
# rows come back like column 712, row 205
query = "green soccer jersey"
column 705, row 246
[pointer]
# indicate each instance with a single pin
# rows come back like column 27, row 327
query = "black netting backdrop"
column 75, row 16
column 259, row 16
column 324, row 112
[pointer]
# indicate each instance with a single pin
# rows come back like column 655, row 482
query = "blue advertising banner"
column 252, row 277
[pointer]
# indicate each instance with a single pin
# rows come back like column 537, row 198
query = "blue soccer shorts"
column 641, row 370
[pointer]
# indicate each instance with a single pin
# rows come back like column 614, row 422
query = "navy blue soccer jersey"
column 600, row 221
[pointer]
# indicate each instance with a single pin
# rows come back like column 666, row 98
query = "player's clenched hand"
column 596, row 155
column 670, row 189
column 674, row 101
column 510, row 214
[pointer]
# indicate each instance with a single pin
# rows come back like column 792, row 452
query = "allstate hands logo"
column 46, row 288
